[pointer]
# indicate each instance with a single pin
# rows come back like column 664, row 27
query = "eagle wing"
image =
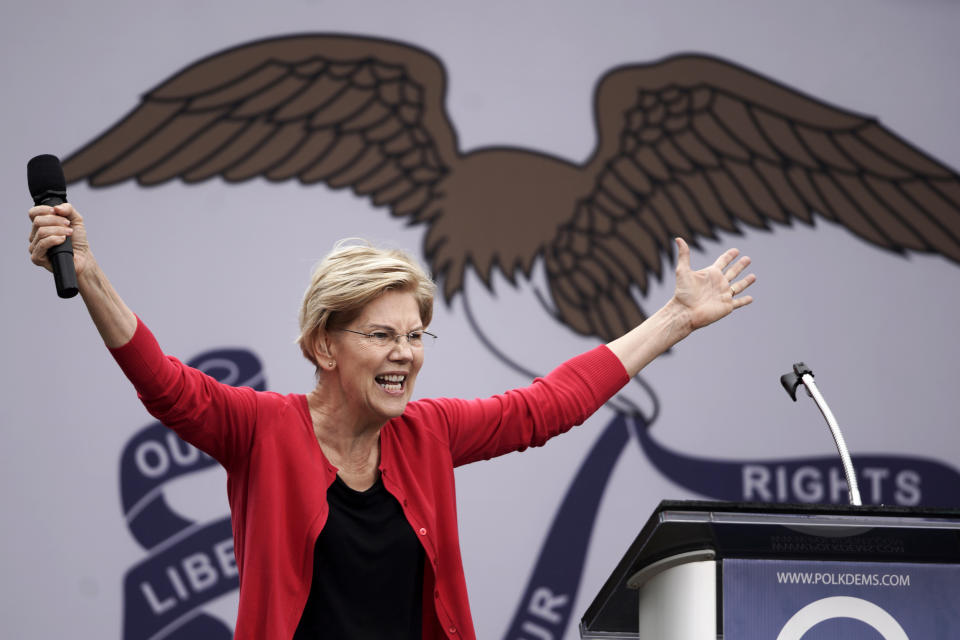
column 693, row 144
column 345, row 111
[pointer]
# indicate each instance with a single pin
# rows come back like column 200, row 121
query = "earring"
column 332, row 364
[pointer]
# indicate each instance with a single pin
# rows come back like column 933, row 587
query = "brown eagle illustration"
column 685, row 147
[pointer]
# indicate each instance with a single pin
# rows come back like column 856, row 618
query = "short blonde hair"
column 350, row 277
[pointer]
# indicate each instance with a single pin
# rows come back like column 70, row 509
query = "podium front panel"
column 774, row 532
column 786, row 599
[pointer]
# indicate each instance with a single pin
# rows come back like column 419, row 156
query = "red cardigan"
column 277, row 475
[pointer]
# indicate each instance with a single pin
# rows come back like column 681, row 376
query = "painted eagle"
column 687, row 146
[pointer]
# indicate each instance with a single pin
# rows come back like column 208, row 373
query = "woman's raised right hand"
column 52, row 226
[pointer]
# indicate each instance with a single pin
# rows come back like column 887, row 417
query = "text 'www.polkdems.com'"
column 843, row 579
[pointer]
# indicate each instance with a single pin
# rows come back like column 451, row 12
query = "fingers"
column 51, row 227
column 39, row 210
column 733, row 272
column 726, row 258
column 683, row 255
column 728, row 265
column 737, row 268
column 737, row 287
column 61, row 215
column 47, row 221
column 65, row 210
column 722, row 262
column 43, row 239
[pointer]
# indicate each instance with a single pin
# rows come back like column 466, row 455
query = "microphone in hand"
column 49, row 187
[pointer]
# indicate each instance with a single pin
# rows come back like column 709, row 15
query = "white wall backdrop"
column 215, row 265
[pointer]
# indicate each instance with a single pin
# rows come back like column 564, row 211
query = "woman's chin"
column 392, row 406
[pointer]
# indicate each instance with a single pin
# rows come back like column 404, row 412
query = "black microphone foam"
column 48, row 186
column 45, row 179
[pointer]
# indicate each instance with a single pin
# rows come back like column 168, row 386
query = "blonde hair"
column 350, row 277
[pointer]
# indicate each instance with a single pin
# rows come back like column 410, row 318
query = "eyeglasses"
column 416, row 339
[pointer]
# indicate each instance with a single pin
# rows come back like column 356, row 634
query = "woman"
column 342, row 501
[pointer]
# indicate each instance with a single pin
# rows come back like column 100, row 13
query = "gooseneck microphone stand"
column 802, row 374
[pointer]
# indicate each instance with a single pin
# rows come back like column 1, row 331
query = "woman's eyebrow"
column 388, row 327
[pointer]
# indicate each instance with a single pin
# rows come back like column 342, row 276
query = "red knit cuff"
column 141, row 359
column 603, row 369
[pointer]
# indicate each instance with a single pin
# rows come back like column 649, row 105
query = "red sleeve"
column 528, row 417
column 216, row 418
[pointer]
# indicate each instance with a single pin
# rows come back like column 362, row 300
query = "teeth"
column 391, row 382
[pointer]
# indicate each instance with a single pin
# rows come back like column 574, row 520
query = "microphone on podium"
column 802, row 374
column 49, row 187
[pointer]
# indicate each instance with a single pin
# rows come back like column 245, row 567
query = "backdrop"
column 111, row 529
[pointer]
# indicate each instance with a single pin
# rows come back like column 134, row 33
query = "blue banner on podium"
column 808, row 600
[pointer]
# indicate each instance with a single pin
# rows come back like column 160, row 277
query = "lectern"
column 746, row 571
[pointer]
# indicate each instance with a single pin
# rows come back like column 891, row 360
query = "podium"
column 745, row 571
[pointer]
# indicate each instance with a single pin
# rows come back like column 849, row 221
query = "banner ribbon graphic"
column 189, row 563
column 883, row 479
column 546, row 606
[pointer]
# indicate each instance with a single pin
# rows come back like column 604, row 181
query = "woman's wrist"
column 675, row 321
column 668, row 326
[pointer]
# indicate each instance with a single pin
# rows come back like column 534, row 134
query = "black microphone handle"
column 61, row 258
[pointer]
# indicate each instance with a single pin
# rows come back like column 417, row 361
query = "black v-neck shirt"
column 367, row 570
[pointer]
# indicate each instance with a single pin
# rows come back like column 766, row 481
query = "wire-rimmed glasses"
column 385, row 338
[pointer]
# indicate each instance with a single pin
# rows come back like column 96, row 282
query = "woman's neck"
column 349, row 445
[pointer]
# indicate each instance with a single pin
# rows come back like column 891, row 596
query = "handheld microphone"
column 49, row 187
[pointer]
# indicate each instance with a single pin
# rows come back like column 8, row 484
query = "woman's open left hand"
column 711, row 293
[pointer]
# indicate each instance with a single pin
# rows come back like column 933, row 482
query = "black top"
column 367, row 570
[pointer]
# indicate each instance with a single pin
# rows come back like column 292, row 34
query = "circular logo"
column 842, row 607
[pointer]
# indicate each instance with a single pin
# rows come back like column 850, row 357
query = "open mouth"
column 392, row 382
